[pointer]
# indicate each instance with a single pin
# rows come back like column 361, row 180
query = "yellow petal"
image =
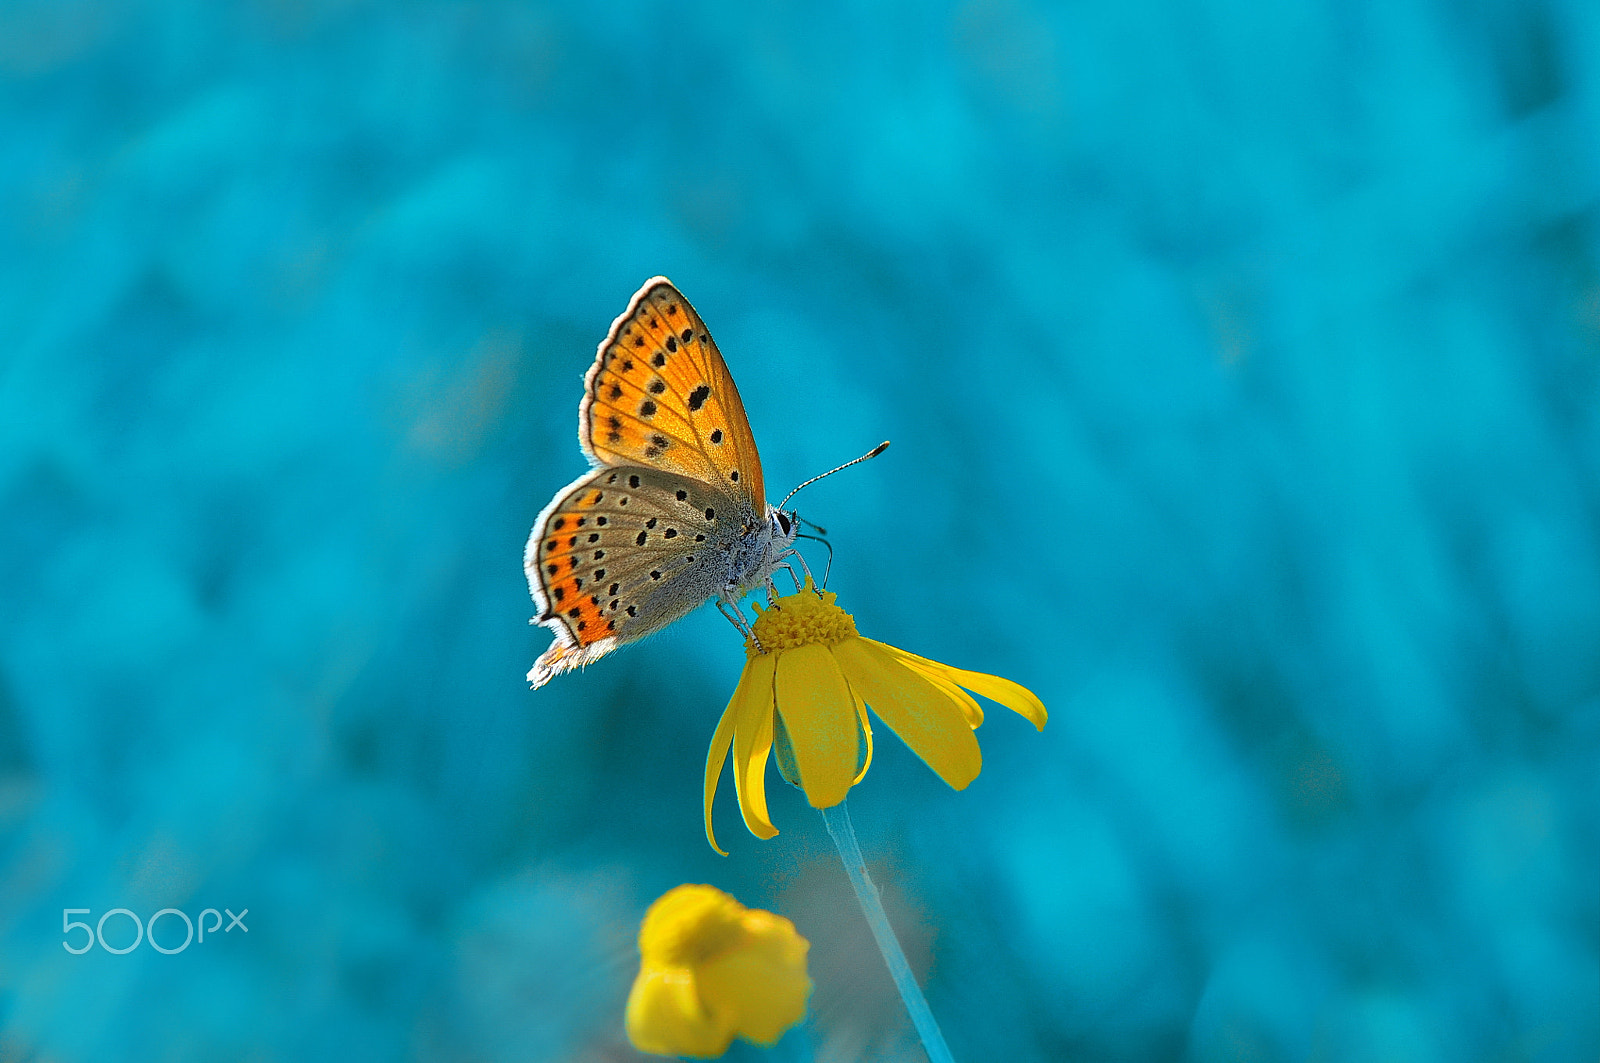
column 1014, row 696
column 752, row 740
column 820, row 714
column 866, row 736
column 783, row 753
column 716, row 758
column 763, row 983
column 925, row 717
column 969, row 706
column 665, row 1016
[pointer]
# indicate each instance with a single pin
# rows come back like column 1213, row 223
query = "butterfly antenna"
column 874, row 452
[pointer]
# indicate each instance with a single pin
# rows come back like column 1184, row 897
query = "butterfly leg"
column 798, row 556
column 730, row 609
column 792, row 575
column 783, row 562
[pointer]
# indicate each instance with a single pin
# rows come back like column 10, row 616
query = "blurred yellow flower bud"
column 711, row 970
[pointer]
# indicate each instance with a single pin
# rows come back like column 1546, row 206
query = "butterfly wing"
column 623, row 552
column 659, row 395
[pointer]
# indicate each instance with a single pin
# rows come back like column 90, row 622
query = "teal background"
column 1241, row 362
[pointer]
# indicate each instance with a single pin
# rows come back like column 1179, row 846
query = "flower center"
column 800, row 619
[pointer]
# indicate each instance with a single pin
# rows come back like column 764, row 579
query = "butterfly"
column 672, row 514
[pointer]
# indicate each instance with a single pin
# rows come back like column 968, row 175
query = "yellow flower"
column 807, row 690
column 711, row 970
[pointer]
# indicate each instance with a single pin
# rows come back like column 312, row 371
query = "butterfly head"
column 784, row 526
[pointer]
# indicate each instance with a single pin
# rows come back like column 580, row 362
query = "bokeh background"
column 1241, row 362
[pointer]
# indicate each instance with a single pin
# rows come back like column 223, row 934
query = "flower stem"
column 844, row 837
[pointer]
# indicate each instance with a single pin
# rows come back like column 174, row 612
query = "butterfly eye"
column 783, row 522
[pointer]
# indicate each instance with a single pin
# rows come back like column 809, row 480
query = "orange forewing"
column 659, row 394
